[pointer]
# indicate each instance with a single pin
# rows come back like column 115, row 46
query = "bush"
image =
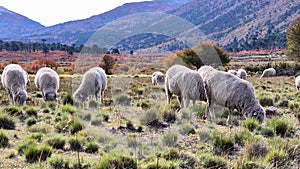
column 68, row 99
column 265, row 100
column 256, row 150
column 168, row 114
column 210, row 161
column 75, row 144
column 279, row 125
column 13, row 110
column 122, row 99
column 267, row 132
column 4, row 140
column 276, row 158
column 242, row 137
column 187, row 129
column 250, row 123
column 30, row 121
column 93, row 104
column 59, row 162
column 112, row 161
column 143, row 104
column 132, row 141
column 170, row 138
column 149, row 117
column 76, row 125
column 51, row 105
column 7, row 122
column 37, row 153
column 222, row 144
column 91, row 147
column 56, row 141
column 31, row 111
column 68, row 109
column 26, row 144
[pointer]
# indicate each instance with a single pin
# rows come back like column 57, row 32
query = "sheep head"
column 20, row 97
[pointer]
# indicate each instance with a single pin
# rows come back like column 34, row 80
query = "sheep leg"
column 102, row 96
column 228, row 121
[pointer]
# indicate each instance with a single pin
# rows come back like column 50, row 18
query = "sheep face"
column 20, row 98
column 257, row 112
column 50, row 96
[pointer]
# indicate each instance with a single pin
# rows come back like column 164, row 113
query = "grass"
column 4, row 140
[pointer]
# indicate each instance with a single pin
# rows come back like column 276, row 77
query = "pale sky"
column 51, row 12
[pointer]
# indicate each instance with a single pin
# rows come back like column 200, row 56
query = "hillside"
column 79, row 31
column 13, row 24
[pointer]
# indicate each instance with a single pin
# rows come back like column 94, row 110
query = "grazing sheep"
column 158, row 78
column 47, row 81
column 268, row 73
column 234, row 72
column 297, row 82
column 229, row 91
column 14, row 79
column 241, row 73
column 187, row 84
column 93, row 82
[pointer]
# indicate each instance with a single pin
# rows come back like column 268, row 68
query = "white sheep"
column 297, row 82
column 268, row 73
column 15, row 79
column 158, row 78
column 47, row 80
column 187, row 84
column 229, row 91
column 241, row 73
column 93, row 82
column 234, row 72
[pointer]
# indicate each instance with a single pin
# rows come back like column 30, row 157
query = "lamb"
column 93, row 82
column 15, row 79
column 241, row 73
column 297, row 82
column 187, row 84
column 47, row 81
column 158, row 78
column 268, row 73
column 229, row 91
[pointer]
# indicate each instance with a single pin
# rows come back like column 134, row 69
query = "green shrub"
column 26, row 144
column 4, row 140
column 52, row 105
column 68, row 109
column 256, row 150
column 149, row 117
column 280, row 125
column 76, row 125
column 122, row 99
column 56, row 141
column 168, row 114
column 265, row 100
column 93, row 103
column 187, row 129
column 7, row 122
column 68, row 99
column 31, row 111
column 245, row 164
column 91, row 147
column 276, row 158
column 36, row 136
column 293, row 105
column 140, row 90
column 40, row 128
column 46, row 110
column 215, row 162
column 113, row 161
column 170, row 138
column 242, row 137
column 132, row 141
column 37, row 153
column 267, row 132
column 172, row 154
column 59, row 162
column 75, row 144
column 13, row 110
column 30, row 121
column 250, row 123
column 144, row 104
column 222, row 143
column 97, row 121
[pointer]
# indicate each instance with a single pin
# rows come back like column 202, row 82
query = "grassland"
column 135, row 128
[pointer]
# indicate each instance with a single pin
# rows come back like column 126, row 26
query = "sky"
column 51, row 12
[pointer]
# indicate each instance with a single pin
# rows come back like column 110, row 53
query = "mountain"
column 242, row 23
column 77, row 32
column 15, row 25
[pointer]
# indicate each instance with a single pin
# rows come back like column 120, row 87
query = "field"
column 135, row 128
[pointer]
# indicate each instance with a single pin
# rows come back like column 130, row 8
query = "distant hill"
column 15, row 25
column 77, row 32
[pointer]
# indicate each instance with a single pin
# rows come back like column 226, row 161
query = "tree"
column 108, row 63
column 293, row 40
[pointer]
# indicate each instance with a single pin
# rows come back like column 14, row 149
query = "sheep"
column 229, row 91
column 234, row 72
column 241, row 73
column 187, row 84
column 297, row 82
column 268, row 73
column 47, row 80
column 93, row 82
column 158, row 78
column 15, row 79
